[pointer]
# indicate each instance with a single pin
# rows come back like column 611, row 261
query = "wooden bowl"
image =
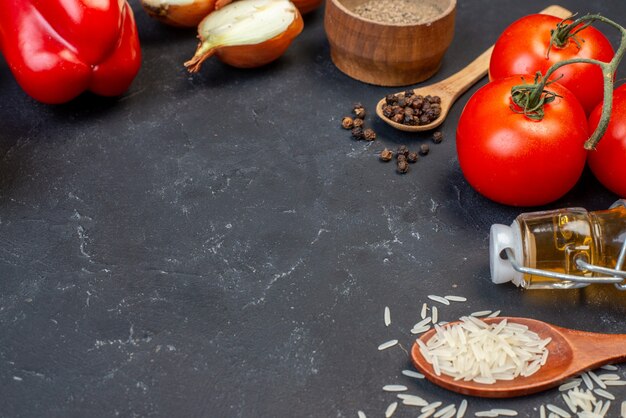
column 387, row 54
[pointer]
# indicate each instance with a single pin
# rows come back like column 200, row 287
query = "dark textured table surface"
column 215, row 245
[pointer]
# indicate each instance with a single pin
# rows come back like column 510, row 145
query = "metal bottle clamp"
column 617, row 276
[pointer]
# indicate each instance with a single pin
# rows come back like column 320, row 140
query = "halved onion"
column 182, row 13
column 247, row 33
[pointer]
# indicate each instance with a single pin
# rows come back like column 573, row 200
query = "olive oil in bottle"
column 554, row 241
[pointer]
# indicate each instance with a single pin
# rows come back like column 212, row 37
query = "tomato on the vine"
column 524, row 48
column 608, row 161
column 513, row 159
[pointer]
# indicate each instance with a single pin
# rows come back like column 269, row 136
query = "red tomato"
column 608, row 161
column 513, row 159
column 523, row 46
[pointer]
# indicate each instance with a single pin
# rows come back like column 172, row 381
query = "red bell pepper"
column 57, row 49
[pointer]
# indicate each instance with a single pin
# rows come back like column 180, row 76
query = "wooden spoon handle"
column 591, row 350
column 458, row 83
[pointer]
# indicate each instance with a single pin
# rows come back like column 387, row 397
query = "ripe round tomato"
column 513, row 159
column 608, row 161
column 523, row 46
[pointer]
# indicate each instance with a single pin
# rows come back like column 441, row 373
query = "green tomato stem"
column 536, row 92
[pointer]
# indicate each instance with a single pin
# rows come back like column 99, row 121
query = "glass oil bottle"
column 561, row 249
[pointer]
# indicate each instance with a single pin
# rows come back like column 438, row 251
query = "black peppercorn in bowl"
column 389, row 42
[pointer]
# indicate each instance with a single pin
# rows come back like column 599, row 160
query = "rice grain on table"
column 427, row 413
column 391, row 409
column 542, row 411
column 411, row 373
column 572, row 407
column 623, row 409
column 412, row 400
column 609, row 367
column 609, row 376
column 462, row 408
column 596, row 379
column 431, row 406
column 505, row 412
column 604, row 394
column 560, row 412
column 445, row 410
column 361, row 414
column 387, row 316
column 494, row 314
column 489, row 413
column 449, row 414
column 569, row 385
column 387, row 344
column 395, row 388
column 424, row 311
column 439, row 299
column 421, row 330
column 605, row 408
column 480, row 313
column 423, row 322
column 587, row 381
column 435, row 314
column 453, row 298
column 615, row 382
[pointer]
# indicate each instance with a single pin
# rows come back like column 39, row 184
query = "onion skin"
column 306, row 6
column 250, row 56
column 182, row 15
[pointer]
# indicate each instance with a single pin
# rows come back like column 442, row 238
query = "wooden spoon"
column 452, row 87
column 571, row 352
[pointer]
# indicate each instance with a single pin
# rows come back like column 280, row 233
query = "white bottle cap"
column 501, row 237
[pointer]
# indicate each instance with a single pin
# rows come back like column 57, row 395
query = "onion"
column 306, row 6
column 181, row 13
column 247, row 33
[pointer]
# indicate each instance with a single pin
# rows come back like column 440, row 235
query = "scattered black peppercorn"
column 403, row 150
column 359, row 112
column 357, row 133
column 412, row 158
column 347, row 122
column 401, row 157
column 403, row 166
column 386, row 155
column 437, row 137
column 424, row 149
column 369, row 134
column 358, row 123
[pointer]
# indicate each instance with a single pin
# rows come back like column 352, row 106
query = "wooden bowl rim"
column 443, row 15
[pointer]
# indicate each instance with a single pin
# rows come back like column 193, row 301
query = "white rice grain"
column 387, row 316
column 587, row 381
column 571, row 405
column 623, row 409
column 480, row 313
column 439, row 299
column 609, row 376
column 596, row 379
column 615, row 382
column 443, row 411
column 387, row 345
column 462, row 408
column 569, row 385
column 604, row 394
column 494, row 314
column 431, row 406
column 395, row 388
column 424, row 311
column 609, row 367
column 542, row 411
column 505, row 412
column 411, row 373
column 453, row 298
column 361, row 414
column 391, row 409
column 427, row 413
column 560, row 412
column 412, row 400
column 435, row 314
column 489, row 413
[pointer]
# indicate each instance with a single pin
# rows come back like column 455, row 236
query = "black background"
column 216, row 245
